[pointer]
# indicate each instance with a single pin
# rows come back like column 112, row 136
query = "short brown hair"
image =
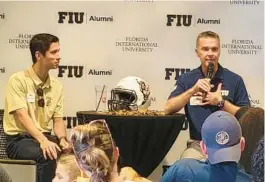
column 41, row 42
column 207, row 34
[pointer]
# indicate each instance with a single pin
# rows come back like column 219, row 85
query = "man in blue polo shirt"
column 224, row 91
column 223, row 143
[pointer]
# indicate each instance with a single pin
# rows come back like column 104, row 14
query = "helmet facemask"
column 122, row 99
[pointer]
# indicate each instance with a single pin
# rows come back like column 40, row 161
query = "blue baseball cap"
column 221, row 133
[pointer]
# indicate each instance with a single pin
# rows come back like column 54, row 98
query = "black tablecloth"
column 143, row 141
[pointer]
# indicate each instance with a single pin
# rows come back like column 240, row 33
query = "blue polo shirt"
column 233, row 87
column 192, row 170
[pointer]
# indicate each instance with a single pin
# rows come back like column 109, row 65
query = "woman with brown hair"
column 252, row 124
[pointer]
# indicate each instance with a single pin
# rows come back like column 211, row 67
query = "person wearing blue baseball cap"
column 222, row 143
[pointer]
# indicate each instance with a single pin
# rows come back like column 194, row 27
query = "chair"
column 3, row 154
column 18, row 170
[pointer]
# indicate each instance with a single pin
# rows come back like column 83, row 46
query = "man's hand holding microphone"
column 203, row 89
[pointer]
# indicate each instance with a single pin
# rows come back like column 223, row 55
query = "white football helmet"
column 131, row 93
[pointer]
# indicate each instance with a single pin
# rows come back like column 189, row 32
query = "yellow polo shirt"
column 21, row 92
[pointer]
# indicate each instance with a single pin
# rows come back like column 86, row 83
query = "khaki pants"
column 193, row 151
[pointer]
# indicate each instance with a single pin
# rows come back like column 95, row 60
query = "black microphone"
column 210, row 69
column 209, row 75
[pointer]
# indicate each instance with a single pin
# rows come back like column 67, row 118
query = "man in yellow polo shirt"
column 33, row 104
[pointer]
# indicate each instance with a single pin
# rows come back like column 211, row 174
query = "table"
column 143, row 141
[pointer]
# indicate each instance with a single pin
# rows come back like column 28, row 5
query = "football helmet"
column 131, row 93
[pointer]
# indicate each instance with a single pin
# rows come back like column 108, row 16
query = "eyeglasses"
column 41, row 102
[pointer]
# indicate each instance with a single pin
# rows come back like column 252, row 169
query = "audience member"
column 96, row 153
column 252, row 124
column 222, row 143
column 67, row 170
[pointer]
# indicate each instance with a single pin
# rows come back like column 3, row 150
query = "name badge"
column 195, row 100
column 225, row 92
column 30, row 97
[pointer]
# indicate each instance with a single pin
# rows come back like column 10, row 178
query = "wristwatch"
column 221, row 104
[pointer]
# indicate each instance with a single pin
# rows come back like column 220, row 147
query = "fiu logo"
column 2, row 16
column 73, row 71
column 81, row 17
column 180, row 20
column 72, row 17
column 78, row 71
column 186, row 20
column 176, row 71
